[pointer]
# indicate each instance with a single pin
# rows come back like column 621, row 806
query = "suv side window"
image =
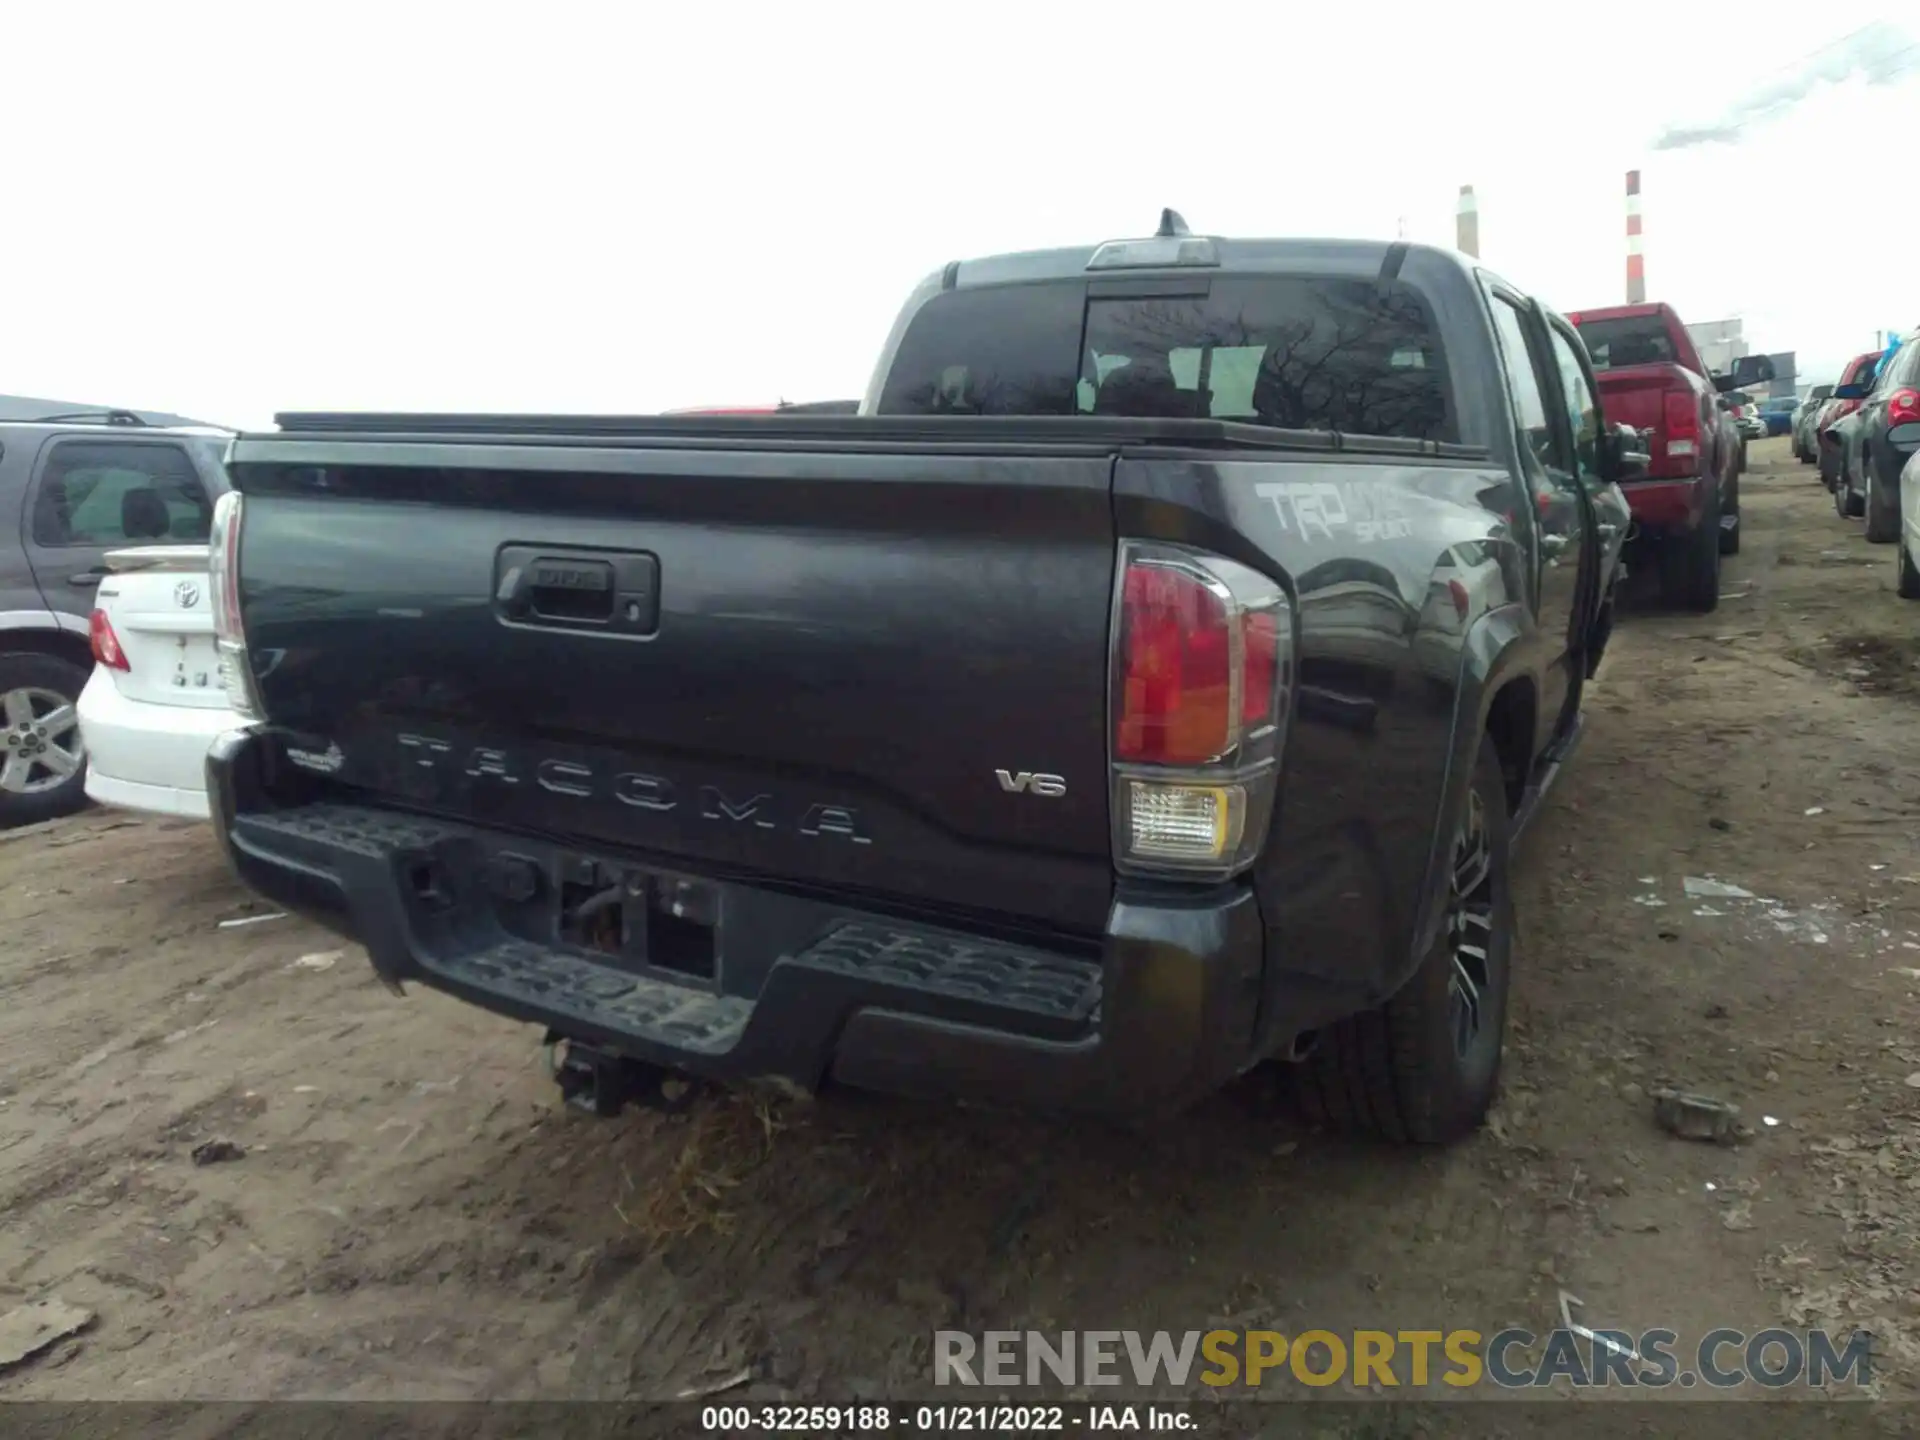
column 99, row 493
column 1583, row 410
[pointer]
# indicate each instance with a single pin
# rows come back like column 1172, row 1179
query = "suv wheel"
column 1423, row 1068
column 1907, row 582
column 43, row 774
column 1882, row 508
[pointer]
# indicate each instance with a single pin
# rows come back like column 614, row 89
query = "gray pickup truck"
column 1150, row 682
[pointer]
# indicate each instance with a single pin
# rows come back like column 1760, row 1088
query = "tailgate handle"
column 586, row 590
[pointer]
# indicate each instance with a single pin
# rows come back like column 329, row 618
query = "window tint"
column 1296, row 352
column 1299, row 352
column 1523, row 383
column 1860, row 370
column 1583, row 409
column 1627, row 340
column 106, row 493
column 1004, row 350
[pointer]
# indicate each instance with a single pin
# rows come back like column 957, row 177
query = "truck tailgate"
column 829, row 671
column 1636, row 395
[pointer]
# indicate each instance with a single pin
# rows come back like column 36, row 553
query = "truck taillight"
column 1202, row 679
column 1682, row 423
column 223, row 577
column 106, row 644
column 1903, row 407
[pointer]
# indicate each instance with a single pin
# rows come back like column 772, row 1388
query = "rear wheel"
column 1848, row 501
column 1882, row 506
column 1907, row 582
column 1423, row 1068
column 43, row 774
column 1730, row 532
column 1691, row 576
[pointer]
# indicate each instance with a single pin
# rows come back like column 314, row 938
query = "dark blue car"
column 1777, row 411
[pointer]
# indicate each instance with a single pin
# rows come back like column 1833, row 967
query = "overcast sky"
column 229, row 211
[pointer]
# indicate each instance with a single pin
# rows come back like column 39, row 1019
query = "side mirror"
column 1623, row 455
column 1747, row 370
column 1849, row 392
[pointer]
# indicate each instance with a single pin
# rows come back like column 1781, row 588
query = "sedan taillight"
column 107, row 650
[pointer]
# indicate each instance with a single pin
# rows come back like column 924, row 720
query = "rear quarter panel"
column 1384, row 694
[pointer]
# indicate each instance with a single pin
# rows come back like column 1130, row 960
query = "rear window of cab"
column 1357, row 356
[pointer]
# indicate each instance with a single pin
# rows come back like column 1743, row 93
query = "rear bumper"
column 142, row 756
column 1159, row 1013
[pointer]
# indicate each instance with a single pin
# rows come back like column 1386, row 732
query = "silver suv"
column 74, row 484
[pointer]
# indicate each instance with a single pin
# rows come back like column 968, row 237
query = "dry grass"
column 724, row 1139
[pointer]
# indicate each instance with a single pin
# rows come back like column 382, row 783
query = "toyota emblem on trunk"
column 187, row 594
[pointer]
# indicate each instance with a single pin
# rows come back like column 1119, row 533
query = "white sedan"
column 155, row 701
column 1906, row 572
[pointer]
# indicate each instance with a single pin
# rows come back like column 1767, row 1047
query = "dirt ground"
column 413, row 1215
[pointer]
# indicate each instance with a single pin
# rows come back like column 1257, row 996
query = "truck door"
column 1580, row 399
column 1562, row 526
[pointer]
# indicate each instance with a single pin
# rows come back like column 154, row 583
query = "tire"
column 1690, row 574
column 1827, row 476
column 1740, row 465
column 1848, row 501
column 1399, row 1072
column 33, row 689
column 1907, row 585
column 1882, row 511
column 1702, row 583
column 1730, row 539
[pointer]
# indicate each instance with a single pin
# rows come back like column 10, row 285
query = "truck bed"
column 972, row 432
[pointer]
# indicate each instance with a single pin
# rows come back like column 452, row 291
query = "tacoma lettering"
column 565, row 778
column 715, row 805
column 643, row 792
column 655, row 794
column 834, row 820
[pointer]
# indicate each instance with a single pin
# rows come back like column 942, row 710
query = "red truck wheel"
column 1691, row 565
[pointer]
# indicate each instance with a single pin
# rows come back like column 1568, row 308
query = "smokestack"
column 1467, row 226
column 1636, row 262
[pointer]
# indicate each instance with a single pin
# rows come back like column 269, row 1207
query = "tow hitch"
column 603, row 1084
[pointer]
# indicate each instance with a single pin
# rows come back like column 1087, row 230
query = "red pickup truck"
column 1686, row 511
